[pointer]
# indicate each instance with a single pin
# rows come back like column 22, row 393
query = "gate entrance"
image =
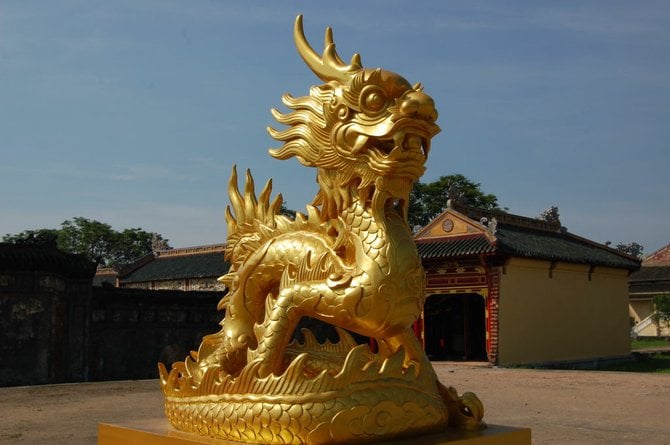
column 455, row 327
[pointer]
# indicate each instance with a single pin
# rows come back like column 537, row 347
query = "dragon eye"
column 372, row 99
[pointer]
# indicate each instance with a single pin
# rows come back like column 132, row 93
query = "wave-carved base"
column 367, row 400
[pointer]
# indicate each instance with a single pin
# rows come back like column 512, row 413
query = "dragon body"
column 350, row 262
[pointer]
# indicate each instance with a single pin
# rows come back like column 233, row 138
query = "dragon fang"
column 350, row 262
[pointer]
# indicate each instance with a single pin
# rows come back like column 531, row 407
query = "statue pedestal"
column 159, row 432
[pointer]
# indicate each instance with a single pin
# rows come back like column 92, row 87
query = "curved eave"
column 453, row 247
column 208, row 265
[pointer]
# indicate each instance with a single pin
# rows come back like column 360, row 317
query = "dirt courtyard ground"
column 561, row 407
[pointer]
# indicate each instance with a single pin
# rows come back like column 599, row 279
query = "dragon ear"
column 328, row 66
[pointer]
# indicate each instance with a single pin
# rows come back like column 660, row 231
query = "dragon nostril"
column 418, row 104
column 410, row 107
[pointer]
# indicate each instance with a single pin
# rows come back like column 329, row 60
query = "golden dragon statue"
column 349, row 262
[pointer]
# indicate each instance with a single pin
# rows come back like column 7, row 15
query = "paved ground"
column 561, row 407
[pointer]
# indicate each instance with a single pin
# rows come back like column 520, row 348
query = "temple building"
column 514, row 290
column 651, row 280
column 501, row 288
column 187, row 269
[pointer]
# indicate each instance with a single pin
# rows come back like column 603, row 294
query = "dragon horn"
column 329, row 66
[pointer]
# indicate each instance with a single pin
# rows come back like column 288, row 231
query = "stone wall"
column 131, row 330
column 42, row 328
column 55, row 327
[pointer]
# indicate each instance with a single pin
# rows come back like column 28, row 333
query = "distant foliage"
column 97, row 240
column 427, row 200
column 40, row 237
column 550, row 215
column 286, row 211
column 632, row 249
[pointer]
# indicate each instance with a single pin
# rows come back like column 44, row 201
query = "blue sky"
column 133, row 112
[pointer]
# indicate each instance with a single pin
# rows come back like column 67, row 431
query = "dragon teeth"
column 413, row 142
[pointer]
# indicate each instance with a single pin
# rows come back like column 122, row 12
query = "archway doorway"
column 455, row 327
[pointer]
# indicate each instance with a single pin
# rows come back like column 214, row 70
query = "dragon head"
column 367, row 131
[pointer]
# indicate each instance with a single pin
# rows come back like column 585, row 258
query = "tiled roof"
column 652, row 273
column 449, row 247
column 16, row 257
column 175, row 267
column 659, row 258
column 513, row 235
column 651, row 279
column 559, row 246
column 654, row 288
column 105, row 276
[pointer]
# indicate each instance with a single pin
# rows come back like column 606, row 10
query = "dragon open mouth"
column 408, row 141
column 398, row 146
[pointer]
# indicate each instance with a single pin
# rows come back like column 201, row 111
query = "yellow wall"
column 640, row 309
column 563, row 318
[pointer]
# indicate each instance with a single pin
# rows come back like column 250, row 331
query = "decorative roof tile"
column 105, row 276
column 650, row 280
column 649, row 288
column 659, row 258
column 513, row 235
column 651, row 273
column 176, row 267
column 559, row 246
column 448, row 247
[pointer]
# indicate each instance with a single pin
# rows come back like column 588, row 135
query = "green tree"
column 286, row 211
column 33, row 237
column 662, row 308
column 89, row 237
column 550, row 215
column 131, row 244
column 427, row 200
column 633, row 249
column 97, row 240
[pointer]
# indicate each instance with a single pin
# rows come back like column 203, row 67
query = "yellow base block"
column 159, row 432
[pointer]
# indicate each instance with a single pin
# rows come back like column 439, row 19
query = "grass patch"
column 657, row 363
column 649, row 343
